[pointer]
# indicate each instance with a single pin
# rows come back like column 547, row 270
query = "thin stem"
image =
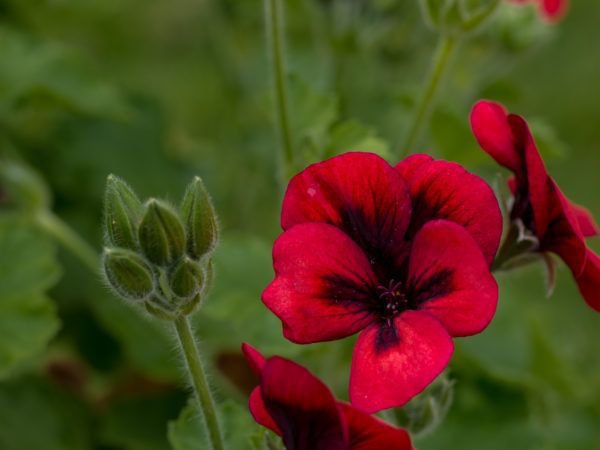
column 274, row 23
column 199, row 381
column 65, row 235
column 440, row 64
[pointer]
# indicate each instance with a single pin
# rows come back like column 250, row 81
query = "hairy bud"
column 200, row 220
column 128, row 274
column 187, row 279
column 122, row 213
column 161, row 234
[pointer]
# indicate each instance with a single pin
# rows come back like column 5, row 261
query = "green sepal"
column 200, row 220
column 128, row 274
column 161, row 233
column 122, row 213
column 157, row 308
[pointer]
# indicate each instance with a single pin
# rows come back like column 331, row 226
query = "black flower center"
column 393, row 299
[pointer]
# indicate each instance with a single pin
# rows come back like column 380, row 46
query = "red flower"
column 297, row 406
column 552, row 10
column 401, row 254
column 559, row 225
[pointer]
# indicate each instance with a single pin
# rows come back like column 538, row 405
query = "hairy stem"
column 198, row 377
column 274, row 24
column 66, row 236
column 440, row 63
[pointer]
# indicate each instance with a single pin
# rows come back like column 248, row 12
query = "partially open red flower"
column 559, row 225
column 551, row 10
column 401, row 254
column 297, row 406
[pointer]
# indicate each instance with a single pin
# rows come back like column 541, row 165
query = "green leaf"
column 28, row 319
column 188, row 433
column 35, row 415
column 140, row 422
column 352, row 135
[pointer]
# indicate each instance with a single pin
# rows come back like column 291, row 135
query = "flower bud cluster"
column 456, row 16
column 156, row 254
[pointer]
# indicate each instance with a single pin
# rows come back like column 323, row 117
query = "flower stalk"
column 276, row 47
column 440, row 64
column 197, row 375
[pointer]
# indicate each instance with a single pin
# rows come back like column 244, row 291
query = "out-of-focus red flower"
column 559, row 225
column 552, row 10
column 400, row 254
column 297, row 406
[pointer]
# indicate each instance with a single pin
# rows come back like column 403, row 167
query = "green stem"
column 199, row 381
column 440, row 64
column 66, row 236
column 274, row 23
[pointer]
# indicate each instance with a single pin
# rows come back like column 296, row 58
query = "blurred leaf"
column 352, row 135
column 35, row 415
column 242, row 270
column 28, row 267
column 32, row 68
column 140, row 422
column 187, row 432
column 145, row 340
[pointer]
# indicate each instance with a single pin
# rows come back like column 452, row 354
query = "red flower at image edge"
column 298, row 407
column 559, row 225
column 400, row 254
column 552, row 10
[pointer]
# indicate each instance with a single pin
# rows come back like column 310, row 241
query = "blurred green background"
column 158, row 91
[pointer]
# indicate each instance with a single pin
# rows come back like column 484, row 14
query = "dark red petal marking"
column 255, row 359
column 369, row 433
column 323, row 284
column 489, row 122
column 302, row 407
column 360, row 193
column 391, row 364
column 445, row 190
column 589, row 281
column 259, row 411
column 451, row 279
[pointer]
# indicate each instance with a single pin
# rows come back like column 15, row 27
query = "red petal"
column 451, row 279
column 445, row 190
column 359, row 193
column 323, row 284
column 589, row 281
column 303, row 407
column 255, row 359
column 392, row 364
column 489, row 122
column 259, row 411
column 554, row 10
column 587, row 224
column 369, row 433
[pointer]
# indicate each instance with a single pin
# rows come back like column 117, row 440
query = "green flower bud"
column 161, row 234
column 187, row 279
column 128, row 274
column 200, row 220
column 159, row 309
column 122, row 213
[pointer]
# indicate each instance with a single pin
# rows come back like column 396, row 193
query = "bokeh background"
column 159, row 91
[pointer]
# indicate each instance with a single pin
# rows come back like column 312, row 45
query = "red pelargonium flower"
column 559, row 225
column 552, row 10
column 401, row 254
column 297, row 406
